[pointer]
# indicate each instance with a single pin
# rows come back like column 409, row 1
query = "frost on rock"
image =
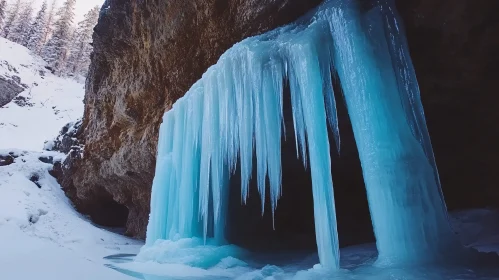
column 236, row 110
column 67, row 140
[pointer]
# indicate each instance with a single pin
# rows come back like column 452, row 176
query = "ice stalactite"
column 236, row 110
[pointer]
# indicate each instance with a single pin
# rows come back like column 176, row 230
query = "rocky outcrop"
column 67, row 140
column 7, row 159
column 148, row 53
column 10, row 87
column 102, row 208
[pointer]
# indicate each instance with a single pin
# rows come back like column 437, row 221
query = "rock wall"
column 148, row 53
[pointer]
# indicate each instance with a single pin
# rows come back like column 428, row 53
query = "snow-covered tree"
column 12, row 16
column 20, row 32
column 3, row 8
column 81, row 47
column 37, row 29
column 56, row 50
column 49, row 22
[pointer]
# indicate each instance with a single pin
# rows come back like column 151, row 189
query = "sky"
column 82, row 6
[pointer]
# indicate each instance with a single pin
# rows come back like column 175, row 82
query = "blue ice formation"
column 236, row 110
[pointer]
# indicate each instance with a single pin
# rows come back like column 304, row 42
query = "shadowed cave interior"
column 294, row 216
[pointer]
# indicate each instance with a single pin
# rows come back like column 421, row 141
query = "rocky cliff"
column 148, row 53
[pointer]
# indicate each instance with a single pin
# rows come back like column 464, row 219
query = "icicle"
column 304, row 56
column 157, row 227
column 261, row 148
column 206, row 154
column 298, row 122
column 244, row 102
column 272, row 100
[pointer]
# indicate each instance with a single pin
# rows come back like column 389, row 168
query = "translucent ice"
column 236, row 110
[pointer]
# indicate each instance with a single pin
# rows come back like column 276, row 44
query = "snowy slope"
column 41, row 235
column 43, row 108
column 40, row 229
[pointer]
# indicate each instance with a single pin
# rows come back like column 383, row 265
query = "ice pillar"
column 407, row 209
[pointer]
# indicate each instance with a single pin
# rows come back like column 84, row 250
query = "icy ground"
column 41, row 235
column 187, row 259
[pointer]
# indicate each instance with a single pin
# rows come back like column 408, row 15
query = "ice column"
column 380, row 89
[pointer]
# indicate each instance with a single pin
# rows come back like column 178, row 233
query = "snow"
column 40, row 229
column 41, row 235
column 53, row 101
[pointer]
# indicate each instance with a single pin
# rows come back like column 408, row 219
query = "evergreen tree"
column 56, row 50
column 13, row 14
column 20, row 33
column 37, row 30
column 48, row 26
column 81, row 47
column 3, row 8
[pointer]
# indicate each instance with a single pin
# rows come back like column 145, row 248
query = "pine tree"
column 21, row 30
column 48, row 27
column 37, row 30
column 81, row 47
column 13, row 14
column 3, row 7
column 56, row 50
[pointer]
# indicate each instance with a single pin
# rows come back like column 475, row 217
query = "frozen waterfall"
column 236, row 110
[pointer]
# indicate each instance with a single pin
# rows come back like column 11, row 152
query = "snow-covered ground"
column 41, row 235
column 189, row 259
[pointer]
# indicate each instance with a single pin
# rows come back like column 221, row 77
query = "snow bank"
column 40, row 229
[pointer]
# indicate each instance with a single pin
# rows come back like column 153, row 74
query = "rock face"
column 10, row 87
column 145, row 60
